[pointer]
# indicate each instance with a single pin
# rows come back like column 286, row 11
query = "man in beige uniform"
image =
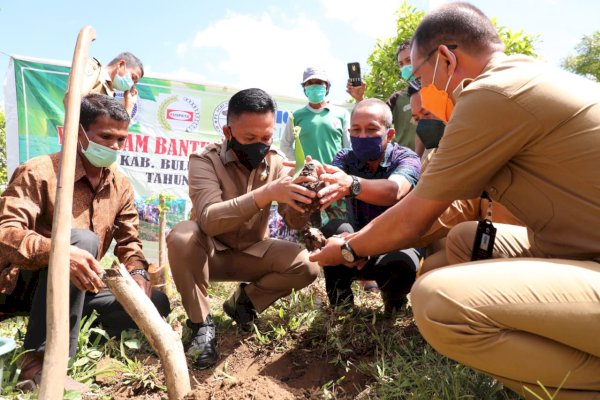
column 528, row 134
column 232, row 185
column 122, row 73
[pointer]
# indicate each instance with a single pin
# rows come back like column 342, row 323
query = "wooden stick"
column 165, row 342
column 57, row 309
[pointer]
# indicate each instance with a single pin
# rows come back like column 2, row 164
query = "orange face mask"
column 435, row 100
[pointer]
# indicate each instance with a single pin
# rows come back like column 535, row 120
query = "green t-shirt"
column 402, row 115
column 322, row 133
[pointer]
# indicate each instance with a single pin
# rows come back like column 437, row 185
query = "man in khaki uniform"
column 529, row 135
column 122, row 73
column 232, row 185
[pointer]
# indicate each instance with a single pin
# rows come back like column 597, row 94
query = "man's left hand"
column 143, row 283
column 338, row 185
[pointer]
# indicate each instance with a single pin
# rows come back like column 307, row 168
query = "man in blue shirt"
column 373, row 175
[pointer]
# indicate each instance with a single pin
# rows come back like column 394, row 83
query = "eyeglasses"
column 416, row 82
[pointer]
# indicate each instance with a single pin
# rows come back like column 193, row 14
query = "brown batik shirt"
column 27, row 209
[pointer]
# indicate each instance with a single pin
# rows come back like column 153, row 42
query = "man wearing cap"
column 324, row 127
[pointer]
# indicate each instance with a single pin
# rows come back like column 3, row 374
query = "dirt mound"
column 256, row 387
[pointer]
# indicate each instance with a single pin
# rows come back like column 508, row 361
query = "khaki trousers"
column 521, row 320
column 194, row 263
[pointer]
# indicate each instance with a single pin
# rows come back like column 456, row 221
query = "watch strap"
column 141, row 272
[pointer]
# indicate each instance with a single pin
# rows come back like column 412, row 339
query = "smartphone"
column 354, row 73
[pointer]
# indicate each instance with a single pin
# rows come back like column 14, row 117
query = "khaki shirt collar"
column 106, row 81
column 494, row 60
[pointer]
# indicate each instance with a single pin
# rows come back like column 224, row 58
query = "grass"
column 389, row 354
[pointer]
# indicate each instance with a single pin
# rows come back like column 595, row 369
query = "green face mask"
column 98, row 155
column 315, row 93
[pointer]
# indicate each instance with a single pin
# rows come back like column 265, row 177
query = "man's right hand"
column 84, row 270
column 285, row 190
column 357, row 92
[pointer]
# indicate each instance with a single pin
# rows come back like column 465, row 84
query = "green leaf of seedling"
column 132, row 344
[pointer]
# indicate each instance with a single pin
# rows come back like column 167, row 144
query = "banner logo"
column 220, row 116
column 180, row 114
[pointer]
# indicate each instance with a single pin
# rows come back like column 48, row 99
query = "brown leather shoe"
column 31, row 375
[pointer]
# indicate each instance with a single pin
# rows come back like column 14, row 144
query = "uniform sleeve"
column 487, row 129
column 459, row 211
column 287, row 141
column 215, row 215
column 128, row 248
column 20, row 206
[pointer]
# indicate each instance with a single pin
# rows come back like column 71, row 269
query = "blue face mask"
column 315, row 93
column 123, row 83
column 367, row 148
column 98, row 155
column 406, row 72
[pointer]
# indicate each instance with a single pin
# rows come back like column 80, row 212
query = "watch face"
column 347, row 254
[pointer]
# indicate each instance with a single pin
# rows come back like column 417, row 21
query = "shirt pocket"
column 522, row 198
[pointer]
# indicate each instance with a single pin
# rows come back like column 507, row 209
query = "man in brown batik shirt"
column 103, row 210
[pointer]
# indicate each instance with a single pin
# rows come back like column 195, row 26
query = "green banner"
column 171, row 120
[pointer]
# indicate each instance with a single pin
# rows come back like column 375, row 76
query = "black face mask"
column 430, row 131
column 250, row 155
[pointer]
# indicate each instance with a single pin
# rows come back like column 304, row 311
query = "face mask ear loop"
column 448, row 83
column 437, row 58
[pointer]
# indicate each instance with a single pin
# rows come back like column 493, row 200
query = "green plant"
column 587, row 60
column 136, row 374
column 383, row 79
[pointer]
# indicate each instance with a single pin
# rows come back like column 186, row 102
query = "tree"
column 3, row 171
column 587, row 60
column 384, row 77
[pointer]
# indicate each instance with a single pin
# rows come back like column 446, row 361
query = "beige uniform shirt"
column 529, row 134
column 224, row 207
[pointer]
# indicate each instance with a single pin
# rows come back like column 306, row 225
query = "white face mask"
column 98, row 155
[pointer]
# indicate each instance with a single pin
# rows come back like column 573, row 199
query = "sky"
column 266, row 44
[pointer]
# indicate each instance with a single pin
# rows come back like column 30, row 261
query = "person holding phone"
column 398, row 103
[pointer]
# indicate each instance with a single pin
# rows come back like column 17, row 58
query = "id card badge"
column 483, row 246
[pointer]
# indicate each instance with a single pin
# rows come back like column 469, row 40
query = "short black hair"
column 131, row 61
column 95, row 105
column 251, row 100
column 460, row 24
column 401, row 47
column 410, row 90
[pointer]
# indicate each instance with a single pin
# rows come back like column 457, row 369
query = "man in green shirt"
column 324, row 128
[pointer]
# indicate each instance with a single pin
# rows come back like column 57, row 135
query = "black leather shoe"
column 240, row 309
column 203, row 350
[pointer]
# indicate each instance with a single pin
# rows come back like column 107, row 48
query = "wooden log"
column 165, row 342
column 57, row 309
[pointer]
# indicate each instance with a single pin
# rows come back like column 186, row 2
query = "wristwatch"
column 141, row 272
column 355, row 187
column 348, row 253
